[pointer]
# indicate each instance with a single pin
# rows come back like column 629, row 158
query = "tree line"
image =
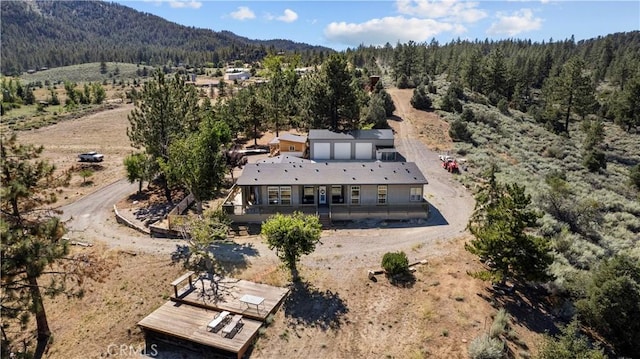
column 76, row 32
column 554, row 81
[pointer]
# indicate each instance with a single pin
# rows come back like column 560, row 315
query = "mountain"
column 39, row 34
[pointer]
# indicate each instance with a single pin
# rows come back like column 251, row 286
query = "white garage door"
column 322, row 151
column 364, row 151
column 342, row 151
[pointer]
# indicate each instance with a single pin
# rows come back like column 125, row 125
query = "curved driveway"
column 91, row 218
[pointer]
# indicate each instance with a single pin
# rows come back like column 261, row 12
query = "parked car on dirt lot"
column 92, row 156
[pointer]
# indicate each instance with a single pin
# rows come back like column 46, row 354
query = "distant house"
column 288, row 145
column 333, row 190
column 355, row 145
column 232, row 74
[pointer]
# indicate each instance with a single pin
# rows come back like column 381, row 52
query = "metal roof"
column 284, row 159
column 379, row 134
column 331, row 173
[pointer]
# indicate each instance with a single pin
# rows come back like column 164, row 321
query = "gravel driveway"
column 362, row 244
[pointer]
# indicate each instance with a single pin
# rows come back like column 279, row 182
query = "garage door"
column 322, row 151
column 342, row 151
column 364, row 151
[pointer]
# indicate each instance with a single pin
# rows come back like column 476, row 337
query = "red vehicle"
column 451, row 165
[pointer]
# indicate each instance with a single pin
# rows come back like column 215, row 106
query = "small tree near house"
column 85, row 173
column 292, row 236
column 395, row 263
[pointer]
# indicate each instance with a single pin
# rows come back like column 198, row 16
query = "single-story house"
column 360, row 145
column 334, row 190
column 236, row 74
column 288, row 144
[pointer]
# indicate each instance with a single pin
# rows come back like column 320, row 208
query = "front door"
column 322, row 195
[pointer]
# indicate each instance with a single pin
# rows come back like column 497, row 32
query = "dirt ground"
column 335, row 312
column 104, row 132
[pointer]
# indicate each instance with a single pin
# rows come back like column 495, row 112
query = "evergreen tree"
column 165, row 110
column 31, row 237
column 571, row 91
column 197, row 161
column 472, row 70
column 500, row 224
column 628, row 107
column 331, row 97
column 495, row 74
column 612, row 303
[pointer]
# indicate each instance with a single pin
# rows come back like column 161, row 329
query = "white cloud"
column 185, row 4
column 288, row 16
column 388, row 29
column 451, row 10
column 243, row 13
column 516, row 23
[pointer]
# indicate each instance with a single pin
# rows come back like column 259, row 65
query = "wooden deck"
column 230, row 292
column 187, row 322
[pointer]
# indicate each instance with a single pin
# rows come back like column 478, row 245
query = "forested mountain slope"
column 39, row 34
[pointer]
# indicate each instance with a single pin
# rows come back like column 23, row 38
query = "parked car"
column 92, row 156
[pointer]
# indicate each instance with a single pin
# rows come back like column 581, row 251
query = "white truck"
column 92, row 156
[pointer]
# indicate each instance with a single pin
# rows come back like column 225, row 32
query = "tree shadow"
column 230, row 257
column 525, row 306
column 395, row 118
column 233, row 257
column 309, row 306
column 403, row 280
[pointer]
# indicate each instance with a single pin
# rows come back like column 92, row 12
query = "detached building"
column 354, row 145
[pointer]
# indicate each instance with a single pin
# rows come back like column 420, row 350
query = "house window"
column 382, row 194
column 279, row 195
column 274, row 195
column 355, row 194
column 285, row 195
column 308, row 196
column 336, row 194
column 292, row 148
column 416, row 194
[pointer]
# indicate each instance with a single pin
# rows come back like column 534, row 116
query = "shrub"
column 485, row 347
column 420, row 99
column 594, row 160
column 395, row 263
column 459, row 131
column 503, row 107
column 468, row 115
column 568, row 345
column 612, row 303
column 500, row 324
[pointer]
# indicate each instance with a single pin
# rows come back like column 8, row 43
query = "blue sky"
column 342, row 24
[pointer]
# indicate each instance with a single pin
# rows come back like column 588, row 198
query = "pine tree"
column 571, row 91
column 500, row 224
column 166, row 109
column 31, row 235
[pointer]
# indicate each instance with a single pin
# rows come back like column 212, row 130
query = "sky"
column 350, row 23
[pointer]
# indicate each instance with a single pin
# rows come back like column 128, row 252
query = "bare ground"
column 335, row 312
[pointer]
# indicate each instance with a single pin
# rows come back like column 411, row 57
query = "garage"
column 322, row 151
column 364, row 151
column 342, row 151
